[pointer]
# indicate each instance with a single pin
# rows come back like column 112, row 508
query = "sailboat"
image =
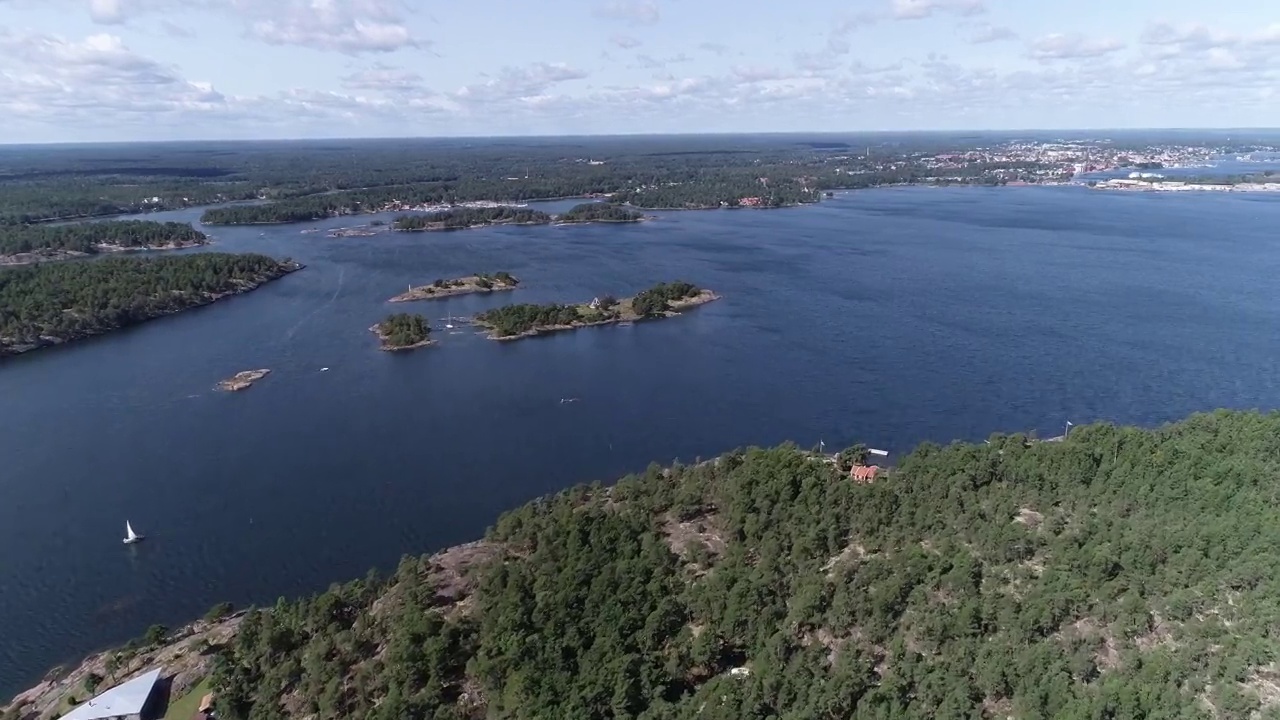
column 130, row 537
column 449, row 323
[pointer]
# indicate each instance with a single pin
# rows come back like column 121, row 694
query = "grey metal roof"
column 124, row 699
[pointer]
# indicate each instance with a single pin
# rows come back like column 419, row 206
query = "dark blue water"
column 887, row 317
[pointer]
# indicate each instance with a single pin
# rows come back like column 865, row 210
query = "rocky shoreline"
column 242, row 380
column 458, row 286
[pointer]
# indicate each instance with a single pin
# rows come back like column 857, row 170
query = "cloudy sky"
column 92, row 70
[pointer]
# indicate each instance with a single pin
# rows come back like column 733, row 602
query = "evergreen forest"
column 50, row 303
column 87, row 237
column 1120, row 574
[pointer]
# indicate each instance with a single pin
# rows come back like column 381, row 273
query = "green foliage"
column 54, row 302
column 525, row 317
column 87, row 237
column 91, row 682
column 466, row 217
column 851, row 456
column 1120, row 574
column 155, row 635
column 600, row 212
column 403, row 329
column 657, row 299
column 219, row 611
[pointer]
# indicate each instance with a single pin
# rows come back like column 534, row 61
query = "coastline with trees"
column 513, row 322
column 1120, row 568
column 49, row 304
column 23, row 244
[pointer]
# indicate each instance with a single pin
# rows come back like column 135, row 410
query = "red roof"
column 864, row 473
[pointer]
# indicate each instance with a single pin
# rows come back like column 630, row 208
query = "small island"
column 460, row 218
column 478, row 283
column 663, row 300
column 599, row 212
column 242, row 380
column 403, row 331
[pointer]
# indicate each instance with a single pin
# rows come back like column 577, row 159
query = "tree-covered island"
column 599, row 212
column 403, row 331
column 52, row 303
column 21, row 244
column 512, row 322
column 470, row 217
column 478, row 283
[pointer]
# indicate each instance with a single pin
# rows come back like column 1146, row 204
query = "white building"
column 126, row 701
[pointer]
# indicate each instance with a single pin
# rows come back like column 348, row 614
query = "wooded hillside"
column 1120, row 574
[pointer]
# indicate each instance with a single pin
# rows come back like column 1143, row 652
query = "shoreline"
column 35, row 256
column 674, row 310
column 47, row 341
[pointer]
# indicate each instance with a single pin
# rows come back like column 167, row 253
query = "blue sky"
column 94, row 70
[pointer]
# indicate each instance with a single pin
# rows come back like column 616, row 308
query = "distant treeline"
column 465, row 217
column 49, row 303
column 86, row 237
column 600, row 212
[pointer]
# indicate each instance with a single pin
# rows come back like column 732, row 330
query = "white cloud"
column 1065, row 46
column 920, row 9
column 714, row 48
column 383, row 78
column 106, row 12
column 988, row 33
column 518, row 83
column 348, row 26
column 635, row 12
column 626, row 42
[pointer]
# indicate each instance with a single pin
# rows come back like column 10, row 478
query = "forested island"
column 52, row 303
column 599, row 213
column 469, row 217
column 478, row 283
column 20, row 244
column 1121, row 573
column 512, row 322
column 403, row 331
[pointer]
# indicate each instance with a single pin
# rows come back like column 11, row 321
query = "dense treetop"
column 465, row 217
column 511, row 320
column 600, row 212
column 63, row 301
column 1120, row 574
column 403, row 330
column 87, row 237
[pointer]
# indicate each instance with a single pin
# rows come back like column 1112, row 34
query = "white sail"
column 129, row 535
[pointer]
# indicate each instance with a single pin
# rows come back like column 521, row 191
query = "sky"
column 115, row 70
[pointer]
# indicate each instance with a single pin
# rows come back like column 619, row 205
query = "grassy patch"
column 185, row 707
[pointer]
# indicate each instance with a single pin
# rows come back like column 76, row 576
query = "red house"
column 864, row 474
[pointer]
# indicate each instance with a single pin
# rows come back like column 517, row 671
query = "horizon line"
column 708, row 134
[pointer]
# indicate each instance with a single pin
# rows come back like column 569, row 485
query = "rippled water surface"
column 887, row 317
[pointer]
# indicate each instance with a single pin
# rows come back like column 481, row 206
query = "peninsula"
column 242, row 380
column 1047, row 580
column 513, row 322
column 61, row 302
column 24, row 244
column 478, row 283
column 403, row 331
